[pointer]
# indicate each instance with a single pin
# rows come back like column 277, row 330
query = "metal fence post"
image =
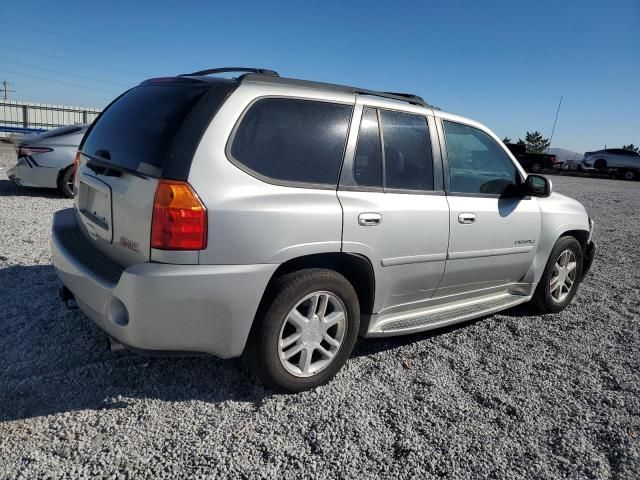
column 25, row 116
column 84, row 116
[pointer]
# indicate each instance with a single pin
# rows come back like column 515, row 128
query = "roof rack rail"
column 258, row 71
column 408, row 96
column 403, row 97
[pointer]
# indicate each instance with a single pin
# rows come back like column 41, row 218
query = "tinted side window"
column 367, row 166
column 408, row 162
column 293, row 140
column 477, row 164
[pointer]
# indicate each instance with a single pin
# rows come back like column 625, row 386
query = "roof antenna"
column 554, row 124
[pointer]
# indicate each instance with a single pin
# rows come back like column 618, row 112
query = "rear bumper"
column 160, row 307
column 33, row 176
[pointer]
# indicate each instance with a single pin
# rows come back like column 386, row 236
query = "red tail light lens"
column 179, row 218
column 28, row 151
column 76, row 163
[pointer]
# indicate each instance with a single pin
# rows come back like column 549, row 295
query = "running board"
column 441, row 315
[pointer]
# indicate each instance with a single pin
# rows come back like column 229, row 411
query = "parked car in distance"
column 276, row 219
column 616, row 160
column 46, row 159
column 531, row 162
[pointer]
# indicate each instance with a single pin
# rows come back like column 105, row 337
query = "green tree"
column 506, row 140
column 631, row 146
column 536, row 143
column 521, row 142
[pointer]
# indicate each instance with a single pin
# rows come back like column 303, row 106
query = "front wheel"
column 561, row 276
column 306, row 333
column 629, row 175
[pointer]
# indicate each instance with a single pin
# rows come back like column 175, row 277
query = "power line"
column 58, row 81
column 4, row 45
column 65, row 73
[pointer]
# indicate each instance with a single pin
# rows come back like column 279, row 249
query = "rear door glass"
column 408, row 162
column 367, row 165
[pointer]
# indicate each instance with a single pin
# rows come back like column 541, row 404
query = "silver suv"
column 278, row 219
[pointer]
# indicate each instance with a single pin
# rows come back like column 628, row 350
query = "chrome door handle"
column 467, row 218
column 369, row 219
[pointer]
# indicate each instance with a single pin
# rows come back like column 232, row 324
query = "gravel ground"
column 512, row 395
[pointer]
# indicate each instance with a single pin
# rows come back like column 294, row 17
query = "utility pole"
column 554, row 124
column 5, row 89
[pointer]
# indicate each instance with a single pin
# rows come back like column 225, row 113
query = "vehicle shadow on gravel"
column 55, row 360
column 9, row 189
column 376, row 345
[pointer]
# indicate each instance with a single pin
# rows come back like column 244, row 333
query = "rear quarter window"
column 292, row 140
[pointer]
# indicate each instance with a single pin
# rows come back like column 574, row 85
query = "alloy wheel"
column 312, row 334
column 563, row 276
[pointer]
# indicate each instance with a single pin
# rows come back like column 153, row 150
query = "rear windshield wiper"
column 103, row 166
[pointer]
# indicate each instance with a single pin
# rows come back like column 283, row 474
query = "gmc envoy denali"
column 278, row 219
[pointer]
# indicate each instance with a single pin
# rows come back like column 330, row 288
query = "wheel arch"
column 581, row 235
column 356, row 268
column 61, row 172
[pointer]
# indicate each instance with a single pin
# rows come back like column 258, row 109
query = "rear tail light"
column 553, row 159
column 28, row 151
column 76, row 163
column 179, row 218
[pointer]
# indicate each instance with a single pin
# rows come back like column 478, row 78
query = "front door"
column 494, row 231
column 395, row 210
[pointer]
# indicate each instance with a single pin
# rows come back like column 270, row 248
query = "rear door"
column 395, row 211
column 494, row 230
column 149, row 132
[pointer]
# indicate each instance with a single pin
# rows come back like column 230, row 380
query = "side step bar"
column 441, row 315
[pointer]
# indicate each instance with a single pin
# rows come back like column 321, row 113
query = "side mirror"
column 538, row 186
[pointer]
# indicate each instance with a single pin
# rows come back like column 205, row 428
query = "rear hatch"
column 148, row 133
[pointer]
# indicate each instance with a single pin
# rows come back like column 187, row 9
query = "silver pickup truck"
column 627, row 162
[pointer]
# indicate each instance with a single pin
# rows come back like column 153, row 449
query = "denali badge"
column 130, row 244
column 525, row 242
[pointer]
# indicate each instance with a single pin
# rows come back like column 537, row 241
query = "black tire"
column 629, row 175
column 535, row 168
column 542, row 299
column 600, row 164
column 64, row 180
column 261, row 355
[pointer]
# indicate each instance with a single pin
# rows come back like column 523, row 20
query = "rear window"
column 293, row 140
column 137, row 131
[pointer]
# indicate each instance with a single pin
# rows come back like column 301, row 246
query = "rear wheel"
column 65, row 182
column 561, row 276
column 600, row 164
column 306, row 333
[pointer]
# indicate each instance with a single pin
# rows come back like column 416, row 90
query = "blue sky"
column 503, row 63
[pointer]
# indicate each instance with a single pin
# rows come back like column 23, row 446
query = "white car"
column 620, row 160
column 46, row 159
